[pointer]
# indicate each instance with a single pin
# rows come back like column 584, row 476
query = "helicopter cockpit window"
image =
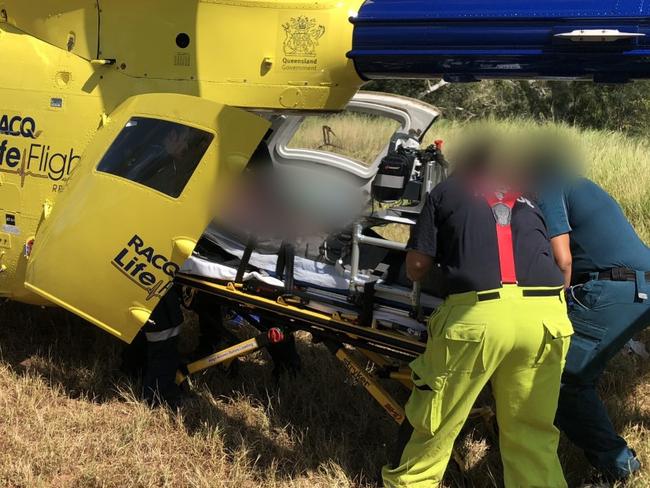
column 156, row 153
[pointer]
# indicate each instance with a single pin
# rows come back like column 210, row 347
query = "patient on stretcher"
column 302, row 222
column 321, row 269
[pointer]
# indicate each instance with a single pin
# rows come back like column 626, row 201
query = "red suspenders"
column 502, row 205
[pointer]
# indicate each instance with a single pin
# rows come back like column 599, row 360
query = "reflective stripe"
column 163, row 335
column 389, row 181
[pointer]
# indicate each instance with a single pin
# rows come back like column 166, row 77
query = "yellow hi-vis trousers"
column 515, row 337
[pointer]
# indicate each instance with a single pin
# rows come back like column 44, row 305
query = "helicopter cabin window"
column 156, row 153
column 340, row 134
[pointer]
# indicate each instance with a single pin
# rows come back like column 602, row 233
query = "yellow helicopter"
column 82, row 227
column 121, row 121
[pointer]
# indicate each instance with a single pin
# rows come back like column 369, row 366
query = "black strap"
column 289, row 253
column 281, row 262
column 495, row 295
column 620, row 274
column 284, row 266
column 542, row 293
column 241, row 270
column 614, row 274
column 367, row 304
column 484, row 297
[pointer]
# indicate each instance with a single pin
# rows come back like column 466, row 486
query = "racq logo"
column 21, row 155
column 143, row 266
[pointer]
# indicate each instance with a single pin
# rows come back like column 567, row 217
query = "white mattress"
column 305, row 270
column 209, row 269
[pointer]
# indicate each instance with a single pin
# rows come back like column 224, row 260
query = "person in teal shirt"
column 606, row 268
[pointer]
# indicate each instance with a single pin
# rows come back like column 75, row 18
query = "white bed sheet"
column 316, row 274
column 305, row 270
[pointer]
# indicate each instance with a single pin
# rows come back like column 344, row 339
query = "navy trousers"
column 161, row 333
column 605, row 316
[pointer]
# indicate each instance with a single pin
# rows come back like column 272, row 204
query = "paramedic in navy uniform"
column 503, row 322
column 607, row 271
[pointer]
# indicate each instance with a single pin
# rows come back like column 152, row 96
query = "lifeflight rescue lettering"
column 37, row 159
column 140, row 262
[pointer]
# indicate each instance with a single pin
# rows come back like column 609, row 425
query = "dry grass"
column 69, row 419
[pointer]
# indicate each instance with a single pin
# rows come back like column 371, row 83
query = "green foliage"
column 624, row 107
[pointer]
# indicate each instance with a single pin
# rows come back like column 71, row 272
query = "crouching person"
column 504, row 321
column 161, row 333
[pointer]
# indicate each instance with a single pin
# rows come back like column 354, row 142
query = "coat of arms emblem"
column 302, row 35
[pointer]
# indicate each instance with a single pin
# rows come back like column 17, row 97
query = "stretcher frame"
column 340, row 334
column 352, row 344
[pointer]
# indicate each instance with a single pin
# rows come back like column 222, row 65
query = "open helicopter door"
column 397, row 118
column 412, row 119
column 136, row 205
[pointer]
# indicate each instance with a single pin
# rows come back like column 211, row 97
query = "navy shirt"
column 601, row 236
column 458, row 229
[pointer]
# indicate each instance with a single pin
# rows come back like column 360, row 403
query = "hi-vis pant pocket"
column 437, row 320
column 424, row 407
column 464, row 345
column 557, row 337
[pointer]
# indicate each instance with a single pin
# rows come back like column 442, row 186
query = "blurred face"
column 519, row 159
column 507, row 171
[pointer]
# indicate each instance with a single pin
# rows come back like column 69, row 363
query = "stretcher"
column 323, row 299
column 373, row 328
column 322, row 288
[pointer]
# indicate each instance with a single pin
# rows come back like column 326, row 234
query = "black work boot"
column 213, row 335
column 285, row 357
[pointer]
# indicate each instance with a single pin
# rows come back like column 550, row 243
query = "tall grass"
column 69, row 419
column 620, row 163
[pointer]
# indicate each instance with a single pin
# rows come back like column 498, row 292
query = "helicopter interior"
column 353, row 272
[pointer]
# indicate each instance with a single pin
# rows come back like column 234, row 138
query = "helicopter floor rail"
column 298, row 313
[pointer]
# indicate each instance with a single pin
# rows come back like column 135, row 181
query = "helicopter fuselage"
column 68, row 65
